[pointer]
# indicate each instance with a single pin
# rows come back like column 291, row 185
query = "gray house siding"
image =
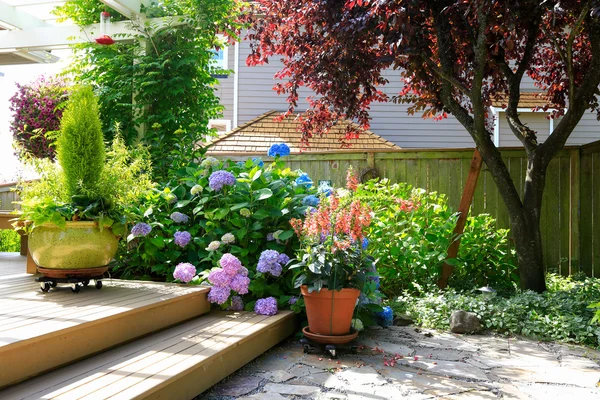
column 391, row 121
column 536, row 121
column 225, row 87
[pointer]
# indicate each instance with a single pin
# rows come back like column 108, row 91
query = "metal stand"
column 332, row 349
column 76, row 283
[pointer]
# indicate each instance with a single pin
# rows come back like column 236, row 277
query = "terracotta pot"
column 82, row 245
column 330, row 312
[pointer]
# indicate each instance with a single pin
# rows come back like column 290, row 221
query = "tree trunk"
column 524, row 214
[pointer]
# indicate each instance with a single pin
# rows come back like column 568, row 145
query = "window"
column 220, row 56
column 221, row 125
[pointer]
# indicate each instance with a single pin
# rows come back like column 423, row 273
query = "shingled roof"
column 526, row 100
column 256, row 136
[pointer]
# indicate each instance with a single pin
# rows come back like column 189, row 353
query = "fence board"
column 587, row 206
column 564, row 204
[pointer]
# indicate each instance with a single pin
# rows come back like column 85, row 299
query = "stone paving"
column 412, row 363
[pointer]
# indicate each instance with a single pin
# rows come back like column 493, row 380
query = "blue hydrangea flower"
column 326, row 189
column 386, row 317
column 141, row 229
column 279, row 149
column 311, row 200
column 220, row 178
column 179, row 218
column 304, row 179
column 258, row 161
column 292, row 300
column 365, row 243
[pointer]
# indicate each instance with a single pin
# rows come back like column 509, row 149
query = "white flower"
column 196, row 190
column 228, row 238
column 213, row 245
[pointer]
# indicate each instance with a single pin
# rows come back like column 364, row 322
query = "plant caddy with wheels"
column 70, row 213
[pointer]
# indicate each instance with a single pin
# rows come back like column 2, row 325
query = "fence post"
column 463, row 209
column 574, row 249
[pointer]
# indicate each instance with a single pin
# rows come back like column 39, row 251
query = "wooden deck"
column 178, row 363
column 41, row 331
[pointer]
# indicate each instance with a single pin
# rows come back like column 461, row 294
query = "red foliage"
column 340, row 49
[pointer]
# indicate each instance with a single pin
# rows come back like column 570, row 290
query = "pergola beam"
column 129, row 8
column 11, row 17
column 59, row 36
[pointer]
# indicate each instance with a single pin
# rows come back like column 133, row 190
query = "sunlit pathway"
column 427, row 365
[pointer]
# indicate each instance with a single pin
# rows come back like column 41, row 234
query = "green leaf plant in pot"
column 333, row 267
column 75, row 213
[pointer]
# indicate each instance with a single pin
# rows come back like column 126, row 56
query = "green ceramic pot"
column 80, row 246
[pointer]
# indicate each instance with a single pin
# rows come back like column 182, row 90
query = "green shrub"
column 81, row 144
column 256, row 210
column 411, row 233
column 559, row 314
column 409, row 236
column 485, row 257
column 10, row 241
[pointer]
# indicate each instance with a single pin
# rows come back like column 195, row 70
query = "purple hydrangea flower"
column 267, row 306
column 270, row 237
column 218, row 294
column 292, row 300
column 240, row 284
column 185, row 272
column 236, row 304
column 283, row 259
column 243, row 271
column 279, row 149
column 182, row 238
column 179, row 218
column 220, row 178
column 141, row 229
column 268, row 262
column 230, row 264
column 219, row 278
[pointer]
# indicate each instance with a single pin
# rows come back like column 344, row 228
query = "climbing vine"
column 159, row 85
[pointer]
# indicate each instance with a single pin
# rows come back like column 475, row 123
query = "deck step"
column 42, row 331
column 177, row 363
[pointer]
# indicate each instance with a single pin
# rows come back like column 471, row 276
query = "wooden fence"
column 571, row 205
column 445, row 171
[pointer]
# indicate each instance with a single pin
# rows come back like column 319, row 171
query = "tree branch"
column 444, row 75
column 569, row 49
column 578, row 104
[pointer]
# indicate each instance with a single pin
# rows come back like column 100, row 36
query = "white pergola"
column 29, row 32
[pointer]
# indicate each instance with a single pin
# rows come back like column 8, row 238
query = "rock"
column 278, row 376
column 297, row 390
column 464, row 322
column 403, row 320
column 239, row 386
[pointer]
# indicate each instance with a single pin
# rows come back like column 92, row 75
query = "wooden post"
column 463, row 209
column 574, row 204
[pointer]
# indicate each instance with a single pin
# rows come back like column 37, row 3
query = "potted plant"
column 333, row 265
column 75, row 213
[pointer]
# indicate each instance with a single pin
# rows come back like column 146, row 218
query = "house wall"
column 390, row 121
column 536, row 121
column 226, row 85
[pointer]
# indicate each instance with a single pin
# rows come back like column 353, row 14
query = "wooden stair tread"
column 177, row 363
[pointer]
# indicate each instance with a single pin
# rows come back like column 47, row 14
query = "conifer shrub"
column 80, row 147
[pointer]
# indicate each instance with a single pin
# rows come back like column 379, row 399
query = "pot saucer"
column 327, row 339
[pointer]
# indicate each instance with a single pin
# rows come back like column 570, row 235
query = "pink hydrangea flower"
column 184, row 272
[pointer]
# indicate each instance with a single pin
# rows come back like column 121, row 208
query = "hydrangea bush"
column 214, row 210
column 37, row 108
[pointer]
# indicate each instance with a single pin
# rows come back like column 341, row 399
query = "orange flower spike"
column 351, row 179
